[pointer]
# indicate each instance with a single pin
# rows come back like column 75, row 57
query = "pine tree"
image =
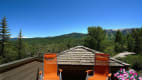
column 20, row 45
column 119, row 42
column 4, row 36
column 137, row 34
column 130, row 42
column 119, row 37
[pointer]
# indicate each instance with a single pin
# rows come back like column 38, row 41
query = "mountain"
column 70, row 35
column 74, row 35
column 56, row 39
column 62, row 41
column 13, row 38
column 124, row 31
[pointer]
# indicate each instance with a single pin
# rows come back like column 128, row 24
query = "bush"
column 127, row 75
column 134, row 61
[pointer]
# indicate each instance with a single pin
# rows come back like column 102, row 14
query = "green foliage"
column 10, row 54
column 134, row 60
column 130, row 43
column 9, row 50
column 55, row 44
column 120, row 42
column 137, row 34
column 20, row 45
column 119, row 37
column 4, row 36
column 95, row 38
column 119, row 47
column 109, row 47
column 110, row 36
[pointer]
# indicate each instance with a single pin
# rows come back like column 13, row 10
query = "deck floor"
column 25, row 72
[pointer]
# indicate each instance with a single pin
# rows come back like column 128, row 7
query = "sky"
column 43, row 18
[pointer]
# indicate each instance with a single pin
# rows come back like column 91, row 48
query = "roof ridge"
column 89, row 49
column 121, row 62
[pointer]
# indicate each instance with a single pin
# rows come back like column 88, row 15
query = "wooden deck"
column 26, row 71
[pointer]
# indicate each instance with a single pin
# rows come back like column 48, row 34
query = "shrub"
column 127, row 75
column 134, row 61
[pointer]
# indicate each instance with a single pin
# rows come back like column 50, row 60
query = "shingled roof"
column 81, row 55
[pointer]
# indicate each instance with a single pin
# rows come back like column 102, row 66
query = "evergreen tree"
column 20, row 45
column 130, row 42
column 4, row 36
column 119, row 42
column 95, row 37
column 137, row 34
column 119, row 37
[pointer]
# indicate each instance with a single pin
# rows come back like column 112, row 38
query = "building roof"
column 81, row 55
column 123, row 54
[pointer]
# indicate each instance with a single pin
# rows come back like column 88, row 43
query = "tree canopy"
column 95, row 37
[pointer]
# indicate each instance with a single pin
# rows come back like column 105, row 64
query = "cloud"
column 25, row 37
column 22, row 37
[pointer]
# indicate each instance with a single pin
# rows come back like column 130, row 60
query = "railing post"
column 60, row 75
column 87, row 76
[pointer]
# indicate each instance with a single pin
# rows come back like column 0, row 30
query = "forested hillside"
column 68, row 37
column 55, row 39
column 53, row 44
column 65, row 41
